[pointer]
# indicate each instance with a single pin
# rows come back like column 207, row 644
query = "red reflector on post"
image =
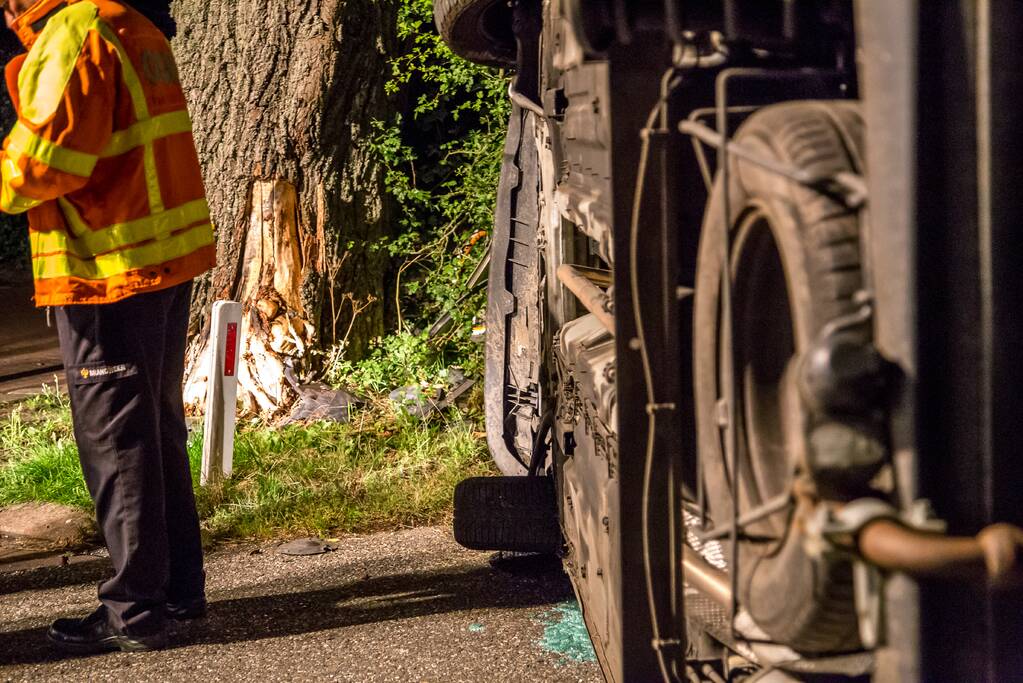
column 229, row 352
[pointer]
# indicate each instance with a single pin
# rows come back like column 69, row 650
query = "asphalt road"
column 27, row 345
column 403, row 606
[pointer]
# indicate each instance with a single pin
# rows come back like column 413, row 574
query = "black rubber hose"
column 539, row 455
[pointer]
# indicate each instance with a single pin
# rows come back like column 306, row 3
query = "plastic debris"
column 304, row 547
column 422, row 402
column 319, row 402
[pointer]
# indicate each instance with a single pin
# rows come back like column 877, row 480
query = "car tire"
column 478, row 30
column 796, row 267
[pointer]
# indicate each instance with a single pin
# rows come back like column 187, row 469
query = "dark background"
column 14, row 258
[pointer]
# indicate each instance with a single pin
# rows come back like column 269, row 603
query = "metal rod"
column 701, row 157
column 598, row 276
column 727, row 370
column 995, row 552
column 851, row 186
column 711, row 582
column 772, row 506
column 524, row 102
column 711, row 137
column 590, row 296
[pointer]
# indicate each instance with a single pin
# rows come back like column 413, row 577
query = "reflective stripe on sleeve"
column 47, row 266
column 10, row 200
column 14, row 203
column 87, row 242
column 24, row 141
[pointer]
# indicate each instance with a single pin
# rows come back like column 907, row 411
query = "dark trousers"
column 125, row 363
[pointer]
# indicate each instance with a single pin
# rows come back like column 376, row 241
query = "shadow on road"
column 371, row 600
column 50, row 577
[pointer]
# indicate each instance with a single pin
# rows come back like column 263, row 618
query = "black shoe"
column 186, row 609
column 94, row 634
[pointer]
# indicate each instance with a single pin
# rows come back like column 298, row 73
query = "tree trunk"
column 282, row 94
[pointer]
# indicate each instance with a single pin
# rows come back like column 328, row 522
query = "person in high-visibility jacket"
column 103, row 161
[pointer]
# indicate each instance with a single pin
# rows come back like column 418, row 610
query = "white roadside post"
column 222, row 392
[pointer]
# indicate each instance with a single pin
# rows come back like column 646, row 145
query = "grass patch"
column 38, row 456
column 383, row 470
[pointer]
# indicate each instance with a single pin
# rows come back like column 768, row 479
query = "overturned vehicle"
column 750, row 334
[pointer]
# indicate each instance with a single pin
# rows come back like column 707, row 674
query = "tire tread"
column 517, row 514
column 459, row 24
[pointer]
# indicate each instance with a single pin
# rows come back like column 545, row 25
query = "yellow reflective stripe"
column 138, row 98
column 121, row 262
column 51, row 61
column 153, row 180
column 14, row 203
column 145, row 132
column 78, row 225
column 24, row 141
column 10, row 200
column 87, row 243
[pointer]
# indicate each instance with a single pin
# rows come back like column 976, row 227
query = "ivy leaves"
column 443, row 159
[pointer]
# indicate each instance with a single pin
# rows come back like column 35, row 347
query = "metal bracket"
column 831, row 530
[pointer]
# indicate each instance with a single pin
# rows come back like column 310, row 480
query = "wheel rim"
column 768, row 410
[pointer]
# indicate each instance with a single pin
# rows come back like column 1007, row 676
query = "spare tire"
column 478, row 30
column 796, row 267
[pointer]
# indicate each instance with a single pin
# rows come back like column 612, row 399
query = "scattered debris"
column 304, row 547
column 412, row 400
column 477, row 280
column 317, row 401
column 422, row 402
column 476, row 628
column 479, row 331
column 567, row 636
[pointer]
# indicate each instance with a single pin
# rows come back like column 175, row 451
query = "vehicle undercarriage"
column 697, row 339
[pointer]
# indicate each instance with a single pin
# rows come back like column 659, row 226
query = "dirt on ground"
column 58, row 526
column 402, row 606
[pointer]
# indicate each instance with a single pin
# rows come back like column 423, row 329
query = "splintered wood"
column 276, row 334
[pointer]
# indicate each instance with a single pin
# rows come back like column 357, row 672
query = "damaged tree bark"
column 283, row 95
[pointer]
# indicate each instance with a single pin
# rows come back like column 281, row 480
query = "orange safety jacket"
column 102, row 156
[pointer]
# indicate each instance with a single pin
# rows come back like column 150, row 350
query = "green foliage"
column 397, row 360
column 383, row 470
column 442, row 160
